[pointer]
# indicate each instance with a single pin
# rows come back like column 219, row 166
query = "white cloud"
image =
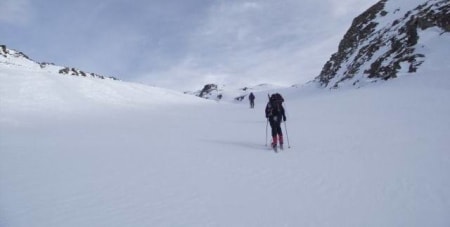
column 17, row 12
column 343, row 7
column 263, row 41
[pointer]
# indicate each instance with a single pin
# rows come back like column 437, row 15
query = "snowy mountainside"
column 375, row 156
column 30, row 86
column 16, row 58
column 386, row 41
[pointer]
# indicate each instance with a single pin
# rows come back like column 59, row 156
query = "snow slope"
column 78, row 152
column 88, row 152
column 33, row 89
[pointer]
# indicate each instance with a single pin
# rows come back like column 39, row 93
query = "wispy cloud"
column 17, row 12
column 342, row 8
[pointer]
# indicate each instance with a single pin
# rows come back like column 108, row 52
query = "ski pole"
column 267, row 123
column 285, row 127
column 287, row 135
column 266, row 130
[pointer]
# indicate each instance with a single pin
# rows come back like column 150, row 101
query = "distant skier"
column 251, row 97
column 275, row 114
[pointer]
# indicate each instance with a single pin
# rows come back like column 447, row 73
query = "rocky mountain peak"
column 382, row 40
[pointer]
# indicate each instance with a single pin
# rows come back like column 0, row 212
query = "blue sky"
column 182, row 44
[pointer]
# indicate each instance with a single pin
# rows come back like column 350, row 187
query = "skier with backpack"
column 275, row 115
column 251, row 97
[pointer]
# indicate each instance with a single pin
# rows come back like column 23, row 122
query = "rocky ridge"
column 382, row 41
column 13, row 57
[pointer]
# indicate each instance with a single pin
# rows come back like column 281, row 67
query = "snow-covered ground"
column 80, row 151
column 88, row 152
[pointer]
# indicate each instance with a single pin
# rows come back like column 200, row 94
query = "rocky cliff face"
column 383, row 40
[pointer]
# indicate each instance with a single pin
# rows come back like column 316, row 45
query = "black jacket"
column 275, row 111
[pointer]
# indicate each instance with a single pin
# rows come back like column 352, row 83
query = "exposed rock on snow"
column 222, row 92
column 12, row 57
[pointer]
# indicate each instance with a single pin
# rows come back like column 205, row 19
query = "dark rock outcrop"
column 77, row 72
column 207, row 89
